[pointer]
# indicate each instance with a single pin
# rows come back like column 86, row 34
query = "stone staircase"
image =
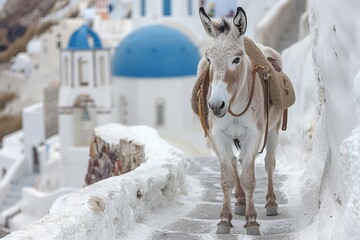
column 201, row 222
column 290, row 35
column 14, row 195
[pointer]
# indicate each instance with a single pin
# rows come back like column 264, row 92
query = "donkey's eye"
column 236, row 60
column 208, row 60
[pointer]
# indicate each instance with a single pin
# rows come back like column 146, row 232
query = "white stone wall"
column 34, row 131
column 269, row 30
column 180, row 125
column 109, row 209
column 336, row 53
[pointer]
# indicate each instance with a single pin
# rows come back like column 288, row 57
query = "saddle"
column 280, row 90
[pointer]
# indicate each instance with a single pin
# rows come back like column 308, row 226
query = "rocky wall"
column 107, row 160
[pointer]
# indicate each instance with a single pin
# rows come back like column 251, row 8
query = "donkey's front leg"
column 240, row 205
column 223, row 148
column 247, row 178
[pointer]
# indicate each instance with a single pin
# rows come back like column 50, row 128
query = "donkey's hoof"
column 240, row 209
column 252, row 228
column 224, row 227
column 272, row 210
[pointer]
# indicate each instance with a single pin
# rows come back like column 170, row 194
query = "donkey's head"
column 228, row 68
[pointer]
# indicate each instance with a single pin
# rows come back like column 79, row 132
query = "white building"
column 154, row 71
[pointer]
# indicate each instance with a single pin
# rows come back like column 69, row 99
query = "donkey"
column 230, row 87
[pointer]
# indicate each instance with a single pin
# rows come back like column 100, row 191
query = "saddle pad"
column 282, row 93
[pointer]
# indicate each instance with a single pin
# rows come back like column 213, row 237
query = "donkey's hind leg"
column 270, row 162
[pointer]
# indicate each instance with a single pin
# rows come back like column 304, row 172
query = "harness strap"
column 285, row 118
column 255, row 69
column 267, row 114
column 253, row 72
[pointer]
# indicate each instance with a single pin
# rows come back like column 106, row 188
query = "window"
column 66, row 75
column 102, row 71
column 143, row 8
column 81, row 70
column 190, row 13
column 160, row 112
column 58, row 36
column 167, row 7
column 123, row 114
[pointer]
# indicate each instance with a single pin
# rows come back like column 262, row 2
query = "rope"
column 202, row 104
column 267, row 114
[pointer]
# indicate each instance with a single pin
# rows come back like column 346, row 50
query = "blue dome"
column 80, row 39
column 155, row 51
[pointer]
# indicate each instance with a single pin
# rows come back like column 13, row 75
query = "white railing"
column 8, row 213
column 11, row 175
column 270, row 28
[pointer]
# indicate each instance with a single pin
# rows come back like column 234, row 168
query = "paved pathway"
column 201, row 222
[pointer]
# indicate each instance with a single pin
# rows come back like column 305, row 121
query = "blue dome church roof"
column 155, row 51
column 84, row 38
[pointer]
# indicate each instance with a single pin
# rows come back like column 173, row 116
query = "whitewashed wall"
column 109, row 209
column 327, row 194
column 336, row 53
column 269, row 30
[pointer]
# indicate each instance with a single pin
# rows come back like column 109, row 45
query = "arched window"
column 167, row 7
column 143, row 8
column 84, row 120
column 58, row 43
column 81, row 70
column 66, row 70
column 102, row 70
column 190, row 8
column 160, row 112
column 123, row 110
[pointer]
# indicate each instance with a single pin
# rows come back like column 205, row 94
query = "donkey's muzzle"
column 219, row 109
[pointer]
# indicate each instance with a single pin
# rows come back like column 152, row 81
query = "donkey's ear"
column 206, row 21
column 240, row 20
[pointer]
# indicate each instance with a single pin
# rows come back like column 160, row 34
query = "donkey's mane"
column 222, row 25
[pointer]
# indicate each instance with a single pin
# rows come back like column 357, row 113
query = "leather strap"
column 267, row 114
column 285, row 118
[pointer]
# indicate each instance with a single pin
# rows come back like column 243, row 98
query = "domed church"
column 154, row 70
column 147, row 81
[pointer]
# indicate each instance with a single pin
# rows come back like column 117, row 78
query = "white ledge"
column 109, row 209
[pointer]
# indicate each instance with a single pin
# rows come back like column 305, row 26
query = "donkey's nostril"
column 222, row 105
